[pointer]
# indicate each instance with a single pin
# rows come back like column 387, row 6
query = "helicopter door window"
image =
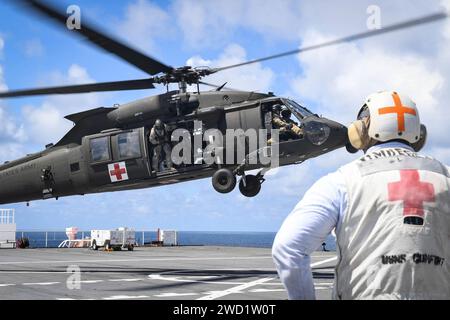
column 100, row 149
column 129, row 146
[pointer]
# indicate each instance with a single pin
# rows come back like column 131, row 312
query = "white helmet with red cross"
column 392, row 116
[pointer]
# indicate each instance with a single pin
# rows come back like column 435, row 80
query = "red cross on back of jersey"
column 400, row 110
column 412, row 192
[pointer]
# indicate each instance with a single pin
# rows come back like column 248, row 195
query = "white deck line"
column 126, row 280
column 131, row 260
column 177, row 279
column 236, row 289
column 91, row 281
column 174, row 294
column 40, row 283
column 124, row 297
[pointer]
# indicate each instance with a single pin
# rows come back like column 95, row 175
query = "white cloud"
column 205, row 23
column 78, row 74
column 144, row 22
column 9, row 130
column 346, row 17
column 46, row 123
column 12, row 135
column 200, row 22
column 339, row 78
column 75, row 75
column 3, row 86
column 11, row 151
column 253, row 77
column 34, row 48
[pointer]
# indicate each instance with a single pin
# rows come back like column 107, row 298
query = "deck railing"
column 52, row 239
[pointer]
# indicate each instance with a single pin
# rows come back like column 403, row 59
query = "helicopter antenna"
column 221, row 87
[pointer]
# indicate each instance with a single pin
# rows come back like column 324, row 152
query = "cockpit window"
column 302, row 111
column 100, row 149
column 129, row 146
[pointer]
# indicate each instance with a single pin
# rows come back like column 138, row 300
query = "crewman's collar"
column 394, row 144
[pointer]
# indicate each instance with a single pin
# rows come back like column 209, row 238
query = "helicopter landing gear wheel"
column 250, row 185
column 223, row 181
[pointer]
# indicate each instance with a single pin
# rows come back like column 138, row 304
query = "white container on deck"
column 168, row 237
column 8, row 229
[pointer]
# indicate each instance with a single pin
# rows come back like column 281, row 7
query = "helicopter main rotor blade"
column 363, row 35
column 83, row 88
column 100, row 39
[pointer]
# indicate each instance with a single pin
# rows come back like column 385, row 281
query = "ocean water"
column 51, row 239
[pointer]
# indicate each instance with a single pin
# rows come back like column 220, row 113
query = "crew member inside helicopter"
column 160, row 141
column 282, row 121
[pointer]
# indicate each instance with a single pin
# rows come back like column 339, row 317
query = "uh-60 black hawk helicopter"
column 94, row 156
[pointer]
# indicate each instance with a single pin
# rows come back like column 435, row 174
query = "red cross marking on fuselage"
column 412, row 192
column 400, row 110
column 118, row 171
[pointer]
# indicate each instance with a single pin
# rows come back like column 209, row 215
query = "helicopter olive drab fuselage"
column 67, row 168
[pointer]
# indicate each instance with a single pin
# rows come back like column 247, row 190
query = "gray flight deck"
column 189, row 273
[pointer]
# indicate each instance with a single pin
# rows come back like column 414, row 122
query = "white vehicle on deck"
column 113, row 239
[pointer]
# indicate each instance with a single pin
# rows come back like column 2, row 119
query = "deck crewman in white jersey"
column 390, row 210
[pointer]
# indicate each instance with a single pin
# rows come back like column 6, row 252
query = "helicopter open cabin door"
column 117, row 157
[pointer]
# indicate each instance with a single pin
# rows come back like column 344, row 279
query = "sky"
column 333, row 82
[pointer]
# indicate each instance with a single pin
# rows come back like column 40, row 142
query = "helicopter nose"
column 338, row 130
column 338, row 136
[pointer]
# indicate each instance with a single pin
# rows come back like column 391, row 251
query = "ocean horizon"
column 257, row 239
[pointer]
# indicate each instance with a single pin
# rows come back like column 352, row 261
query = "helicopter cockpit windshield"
column 288, row 118
column 299, row 111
